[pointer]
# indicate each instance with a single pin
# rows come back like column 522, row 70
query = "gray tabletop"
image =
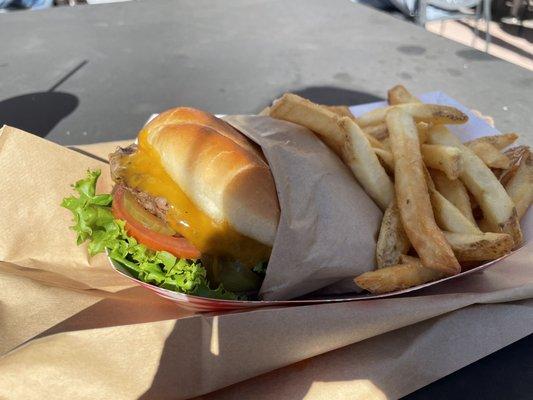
column 142, row 57
column 91, row 74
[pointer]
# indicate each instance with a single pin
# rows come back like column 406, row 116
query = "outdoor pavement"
column 506, row 43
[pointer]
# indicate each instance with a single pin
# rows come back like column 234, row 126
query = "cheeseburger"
column 195, row 187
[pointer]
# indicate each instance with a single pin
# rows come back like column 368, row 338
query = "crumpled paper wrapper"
column 70, row 330
column 328, row 225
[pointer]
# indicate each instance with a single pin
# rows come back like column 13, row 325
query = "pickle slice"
column 148, row 220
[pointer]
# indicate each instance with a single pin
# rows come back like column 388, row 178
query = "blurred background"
column 502, row 28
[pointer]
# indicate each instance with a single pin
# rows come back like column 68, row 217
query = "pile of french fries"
column 448, row 206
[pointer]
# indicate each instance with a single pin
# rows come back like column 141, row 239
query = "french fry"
column 265, row 111
column 406, row 259
column 449, row 217
column 376, row 144
column 490, row 155
column 499, row 141
column 381, row 133
column 515, row 154
column 454, row 191
column 345, row 138
column 400, row 95
column 411, row 272
column 484, row 225
column 413, row 197
column 444, row 158
column 520, row 187
column 341, row 111
column 377, row 131
column 392, row 240
column 387, row 159
column 362, row 160
column 422, row 129
column 323, row 122
column 479, row 247
column 434, row 113
column 497, row 206
column 397, row 277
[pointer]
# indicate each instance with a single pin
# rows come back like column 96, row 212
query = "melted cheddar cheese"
column 144, row 171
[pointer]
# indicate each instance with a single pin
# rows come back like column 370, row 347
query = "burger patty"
column 155, row 205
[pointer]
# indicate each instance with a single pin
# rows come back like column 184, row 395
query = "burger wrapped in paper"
column 210, row 190
column 196, row 209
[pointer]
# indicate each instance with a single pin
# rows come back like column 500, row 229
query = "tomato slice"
column 178, row 246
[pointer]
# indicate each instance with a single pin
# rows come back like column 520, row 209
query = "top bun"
column 219, row 169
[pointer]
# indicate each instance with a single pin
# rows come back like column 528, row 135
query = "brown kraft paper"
column 132, row 344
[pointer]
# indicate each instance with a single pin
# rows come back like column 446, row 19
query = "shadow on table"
column 333, row 96
column 40, row 112
column 37, row 113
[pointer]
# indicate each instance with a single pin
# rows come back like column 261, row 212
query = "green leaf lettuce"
column 94, row 223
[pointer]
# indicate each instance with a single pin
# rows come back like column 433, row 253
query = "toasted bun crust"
column 219, row 169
